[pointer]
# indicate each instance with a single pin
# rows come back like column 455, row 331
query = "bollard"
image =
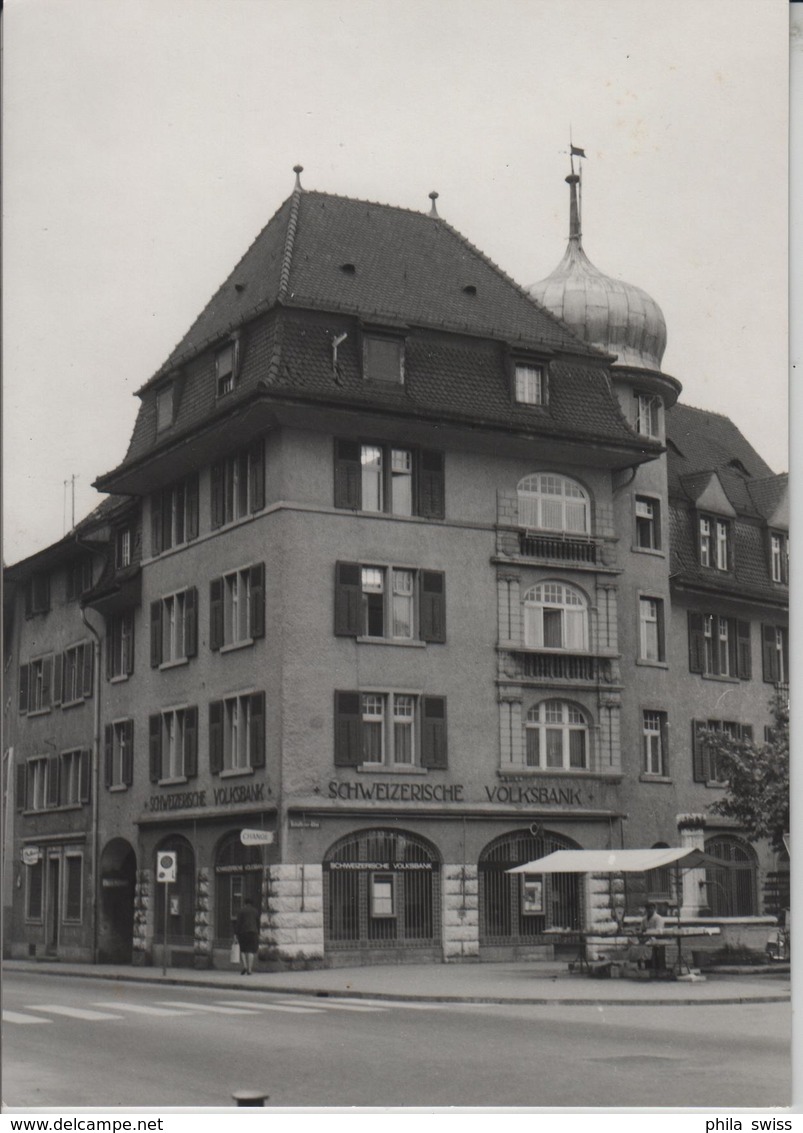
column 250, row 1097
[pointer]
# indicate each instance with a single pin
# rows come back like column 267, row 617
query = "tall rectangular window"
column 389, row 730
column 38, row 783
column 73, row 884
column 174, row 515
column 76, row 673
column 122, row 548
column 371, row 458
column 530, row 385
column 173, row 740
column 37, row 594
column 706, row 555
column 651, row 625
column 237, row 607
column 394, row 603
column 164, row 407
column 238, row 485
column 35, row 875
column 723, row 541
column 120, row 645
column 74, row 778
column 370, row 476
column 654, row 743
column 119, row 754
column 237, row 733
column 648, row 408
column 226, row 360
column 648, row 523
column 779, row 557
column 401, row 481
column 174, row 628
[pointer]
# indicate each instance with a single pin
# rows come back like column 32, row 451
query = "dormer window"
column 779, row 557
column 715, row 543
column 383, row 360
column 226, row 363
column 165, row 407
column 648, row 414
column 122, row 548
column 530, row 385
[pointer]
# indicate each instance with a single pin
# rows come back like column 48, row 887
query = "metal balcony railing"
column 533, row 545
column 556, row 666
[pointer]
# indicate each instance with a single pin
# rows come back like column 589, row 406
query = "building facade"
column 419, row 574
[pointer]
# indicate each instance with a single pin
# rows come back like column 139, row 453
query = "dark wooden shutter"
column 128, row 753
column 52, row 780
column 659, row 606
column 348, row 599
column 243, row 462
column 88, row 667
column 191, row 507
column 218, row 495
column 257, row 735
column 256, row 611
column 21, row 786
column 191, row 622
column 348, row 475
column 216, row 613
column 216, row 736
column 156, row 523
column 744, row 662
column 85, row 777
column 432, row 619
column 23, row 689
column 747, row 733
column 108, row 755
column 156, row 634
column 699, row 752
column 348, row 729
column 664, row 744
column 155, row 747
column 433, row 731
column 696, row 642
column 47, row 681
column 191, row 742
column 769, row 654
column 58, row 677
column 127, row 620
column 256, row 475
column 431, row 485
column 112, row 622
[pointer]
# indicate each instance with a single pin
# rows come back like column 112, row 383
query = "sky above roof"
column 146, row 145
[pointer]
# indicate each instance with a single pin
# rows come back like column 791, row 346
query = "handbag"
column 234, row 953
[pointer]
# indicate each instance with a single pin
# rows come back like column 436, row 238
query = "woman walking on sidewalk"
column 247, row 932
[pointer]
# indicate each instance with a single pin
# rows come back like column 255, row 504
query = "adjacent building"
column 420, row 574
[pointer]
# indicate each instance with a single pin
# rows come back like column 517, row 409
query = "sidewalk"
column 537, row 983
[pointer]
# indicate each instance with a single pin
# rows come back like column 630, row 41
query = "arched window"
column 555, row 617
column 548, row 502
column 556, row 736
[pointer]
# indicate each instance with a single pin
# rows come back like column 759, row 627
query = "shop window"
column 383, row 360
column 120, row 645
column 775, row 654
column 238, row 485
column 174, row 628
column 549, row 502
column 395, row 603
column 648, row 523
column 174, row 515
column 237, row 607
column 238, row 874
column 381, row 478
column 647, row 414
column 719, row 646
column 173, row 743
column 556, row 737
column 555, row 617
column 707, row 766
column 383, row 729
column 652, row 645
column 530, row 385
column 119, row 754
column 654, row 736
column 526, row 908
column 779, row 557
column 73, row 887
column 237, row 733
column 79, row 578
column 34, row 891
column 37, row 594
column 74, row 777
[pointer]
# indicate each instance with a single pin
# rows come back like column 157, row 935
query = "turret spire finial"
column 575, row 183
column 433, row 196
column 298, row 170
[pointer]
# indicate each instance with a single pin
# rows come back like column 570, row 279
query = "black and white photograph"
column 396, row 557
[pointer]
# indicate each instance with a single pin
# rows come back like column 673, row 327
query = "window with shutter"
column 155, row 747
column 21, row 786
column 433, row 732
column 257, row 730
column 23, row 688
column 190, row 742
column 381, row 478
column 257, row 601
column 85, row 787
column 216, row 736
column 348, row 730
column 216, row 613
column 238, row 485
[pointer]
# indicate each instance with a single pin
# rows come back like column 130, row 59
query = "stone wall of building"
column 460, row 904
column 291, row 932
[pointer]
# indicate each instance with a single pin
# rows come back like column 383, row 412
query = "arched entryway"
column 382, row 893
column 180, row 896
column 238, row 875
column 519, row 910
column 118, row 875
column 732, row 889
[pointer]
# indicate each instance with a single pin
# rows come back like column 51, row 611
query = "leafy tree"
column 757, row 777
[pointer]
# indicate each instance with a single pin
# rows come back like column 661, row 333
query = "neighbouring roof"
column 65, row 548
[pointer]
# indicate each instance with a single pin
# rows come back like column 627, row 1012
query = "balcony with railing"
column 542, row 667
column 563, row 548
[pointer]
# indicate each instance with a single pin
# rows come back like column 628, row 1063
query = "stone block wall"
column 460, row 905
column 202, row 937
column 291, row 932
column 143, row 917
column 605, row 898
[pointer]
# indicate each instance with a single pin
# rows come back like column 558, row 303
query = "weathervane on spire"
column 575, row 179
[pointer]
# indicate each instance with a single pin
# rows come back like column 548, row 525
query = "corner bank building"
column 420, row 572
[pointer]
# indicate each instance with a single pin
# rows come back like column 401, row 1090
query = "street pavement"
column 73, row 1041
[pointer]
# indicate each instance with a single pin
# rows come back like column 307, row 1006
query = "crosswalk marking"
column 18, row 1017
column 337, row 1005
column 271, row 1007
column 71, row 1012
column 208, row 1007
column 142, row 1009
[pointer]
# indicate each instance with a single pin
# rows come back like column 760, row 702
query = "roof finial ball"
column 298, row 170
column 433, row 196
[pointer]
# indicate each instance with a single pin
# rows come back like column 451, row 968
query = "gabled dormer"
column 714, row 519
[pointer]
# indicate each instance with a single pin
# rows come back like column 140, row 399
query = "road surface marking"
column 71, row 1012
column 336, row 1005
column 18, row 1017
column 388, row 1004
column 141, row 1009
column 271, row 1007
column 208, row 1007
